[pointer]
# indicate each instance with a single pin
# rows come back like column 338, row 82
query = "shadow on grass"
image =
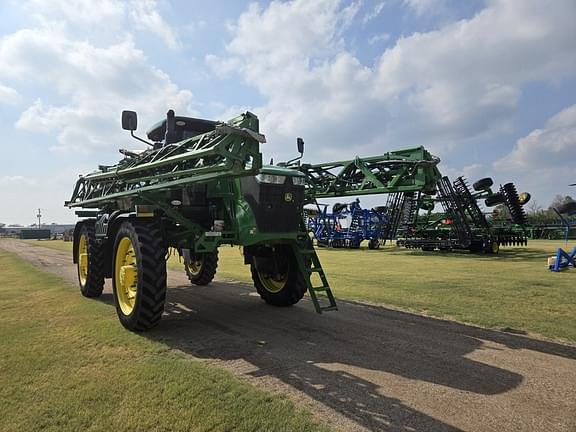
column 342, row 359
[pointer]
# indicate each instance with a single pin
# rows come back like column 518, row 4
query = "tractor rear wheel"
column 139, row 275
column 202, row 268
column 277, row 278
column 90, row 262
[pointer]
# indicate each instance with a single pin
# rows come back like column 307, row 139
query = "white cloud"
column 381, row 37
column 96, row 84
column 544, row 161
column 103, row 20
column 441, row 88
column 76, row 12
column 146, row 16
column 550, row 148
column 422, row 7
column 8, row 96
column 374, row 13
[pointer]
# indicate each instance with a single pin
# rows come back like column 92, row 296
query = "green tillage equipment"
column 468, row 227
column 202, row 184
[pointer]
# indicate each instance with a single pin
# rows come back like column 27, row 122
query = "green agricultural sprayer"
column 202, row 184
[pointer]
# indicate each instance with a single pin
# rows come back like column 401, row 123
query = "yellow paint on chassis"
column 126, row 275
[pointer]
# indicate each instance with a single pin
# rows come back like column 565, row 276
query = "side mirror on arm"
column 300, row 145
column 129, row 120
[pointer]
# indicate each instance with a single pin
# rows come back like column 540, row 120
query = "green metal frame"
column 408, row 170
column 232, row 150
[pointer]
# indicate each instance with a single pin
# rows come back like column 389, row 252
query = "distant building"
column 53, row 229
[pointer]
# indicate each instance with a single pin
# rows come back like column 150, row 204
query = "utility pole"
column 39, row 216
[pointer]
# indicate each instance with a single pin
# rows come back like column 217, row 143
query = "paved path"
column 364, row 367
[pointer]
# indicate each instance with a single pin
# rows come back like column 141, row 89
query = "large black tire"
column 483, row 184
column 495, row 199
column 203, row 268
column 150, row 291
column 294, row 285
column 90, row 276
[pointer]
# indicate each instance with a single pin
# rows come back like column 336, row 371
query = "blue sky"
column 488, row 86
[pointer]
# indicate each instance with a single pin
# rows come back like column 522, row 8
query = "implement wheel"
column 139, row 275
column 202, row 268
column 492, row 247
column 483, row 184
column 277, row 278
column 90, row 262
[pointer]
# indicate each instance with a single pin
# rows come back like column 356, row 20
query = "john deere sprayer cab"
column 201, row 184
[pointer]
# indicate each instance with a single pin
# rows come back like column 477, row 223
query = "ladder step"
column 315, row 270
column 322, row 288
column 328, row 308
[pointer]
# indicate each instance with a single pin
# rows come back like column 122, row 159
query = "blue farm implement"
column 562, row 260
column 348, row 225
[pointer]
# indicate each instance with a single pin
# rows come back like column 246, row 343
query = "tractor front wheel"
column 277, row 278
column 139, row 275
column 90, row 262
column 202, row 268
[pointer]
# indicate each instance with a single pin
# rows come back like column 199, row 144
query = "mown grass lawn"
column 66, row 365
column 513, row 290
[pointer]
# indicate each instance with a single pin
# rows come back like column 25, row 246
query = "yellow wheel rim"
column 495, row 247
column 271, row 284
column 83, row 259
column 195, row 267
column 126, row 276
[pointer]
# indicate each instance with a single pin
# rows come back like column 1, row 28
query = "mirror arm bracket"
column 140, row 139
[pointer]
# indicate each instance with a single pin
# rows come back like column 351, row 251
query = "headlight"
column 270, row 178
column 298, row 181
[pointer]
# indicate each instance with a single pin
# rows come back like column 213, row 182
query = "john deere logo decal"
column 288, row 197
